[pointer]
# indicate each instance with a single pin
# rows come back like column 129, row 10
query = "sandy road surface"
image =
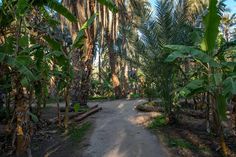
column 118, row 133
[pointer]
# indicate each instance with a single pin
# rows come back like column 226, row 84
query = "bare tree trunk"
column 87, row 59
column 111, row 37
column 67, row 106
column 114, row 77
column 82, row 60
column 23, row 127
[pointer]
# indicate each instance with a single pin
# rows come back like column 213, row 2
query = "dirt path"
column 118, row 133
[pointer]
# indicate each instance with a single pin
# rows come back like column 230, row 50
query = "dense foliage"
column 181, row 52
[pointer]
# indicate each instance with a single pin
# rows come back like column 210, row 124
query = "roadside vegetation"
column 56, row 56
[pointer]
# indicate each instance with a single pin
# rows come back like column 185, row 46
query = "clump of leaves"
column 151, row 103
column 135, row 95
column 179, row 142
column 182, row 143
column 78, row 132
column 159, row 121
column 76, row 107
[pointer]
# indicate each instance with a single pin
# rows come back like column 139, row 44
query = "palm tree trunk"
column 82, row 60
column 111, row 37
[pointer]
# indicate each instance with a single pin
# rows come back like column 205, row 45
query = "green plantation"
column 79, row 78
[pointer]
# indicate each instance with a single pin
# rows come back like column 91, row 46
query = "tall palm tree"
column 167, row 25
column 227, row 22
column 82, row 59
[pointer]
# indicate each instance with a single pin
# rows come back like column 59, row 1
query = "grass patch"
column 151, row 103
column 182, row 143
column 94, row 98
column 157, row 122
column 135, row 96
column 179, row 142
column 78, row 132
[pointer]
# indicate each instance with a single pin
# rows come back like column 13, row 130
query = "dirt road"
column 118, row 133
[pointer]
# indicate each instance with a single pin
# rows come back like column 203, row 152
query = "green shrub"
column 135, row 95
column 77, row 133
column 159, row 121
column 179, row 142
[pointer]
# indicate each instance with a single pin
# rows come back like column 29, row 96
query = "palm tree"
column 167, row 25
column 82, row 59
column 227, row 22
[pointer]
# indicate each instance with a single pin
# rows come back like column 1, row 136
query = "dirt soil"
column 188, row 138
column 117, row 131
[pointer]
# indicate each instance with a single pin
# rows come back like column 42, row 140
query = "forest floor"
column 119, row 130
column 116, row 131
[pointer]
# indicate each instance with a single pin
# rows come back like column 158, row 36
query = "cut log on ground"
column 62, row 109
column 71, row 115
column 85, row 115
column 193, row 113
column 145, row 108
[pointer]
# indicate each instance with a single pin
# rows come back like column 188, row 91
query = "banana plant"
column 218, row 77
column 24, row 52
column 27, row 48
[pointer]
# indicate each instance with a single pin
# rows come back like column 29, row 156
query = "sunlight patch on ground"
column 121, row 106
column 115, row 153
column 144, row 118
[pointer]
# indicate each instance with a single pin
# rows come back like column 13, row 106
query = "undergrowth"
column 159, row 121
column 78, row 132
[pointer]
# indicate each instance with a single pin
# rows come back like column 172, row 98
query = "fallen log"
column 194, row 114
column 144, row 108
column 71, row 116
column 71, row 109
column 85, row 115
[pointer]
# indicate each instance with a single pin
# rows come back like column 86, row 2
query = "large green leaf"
column 78, row 43
column 33, row 116
column 229, row 86
column 192, row 87
column 21, row 7
column 24, row 60
column 221, row 106
column 53, row 43
column 211, row 22
column 218, row 78
column 9, row 45
column 89, row 22
column 21, row 64
column 110, row 4
column 58, row 7
column 182, row 51
column 25, row 71
column 24, row 41
column 76, row 107
column 24, row 82
column 174, row 55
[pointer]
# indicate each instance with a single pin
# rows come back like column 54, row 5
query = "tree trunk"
column 67, row 106
column 82, row 59
column 111, row 37
column 23, row 127
column 74, row 92
column 86, row 74
column 114, row 76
